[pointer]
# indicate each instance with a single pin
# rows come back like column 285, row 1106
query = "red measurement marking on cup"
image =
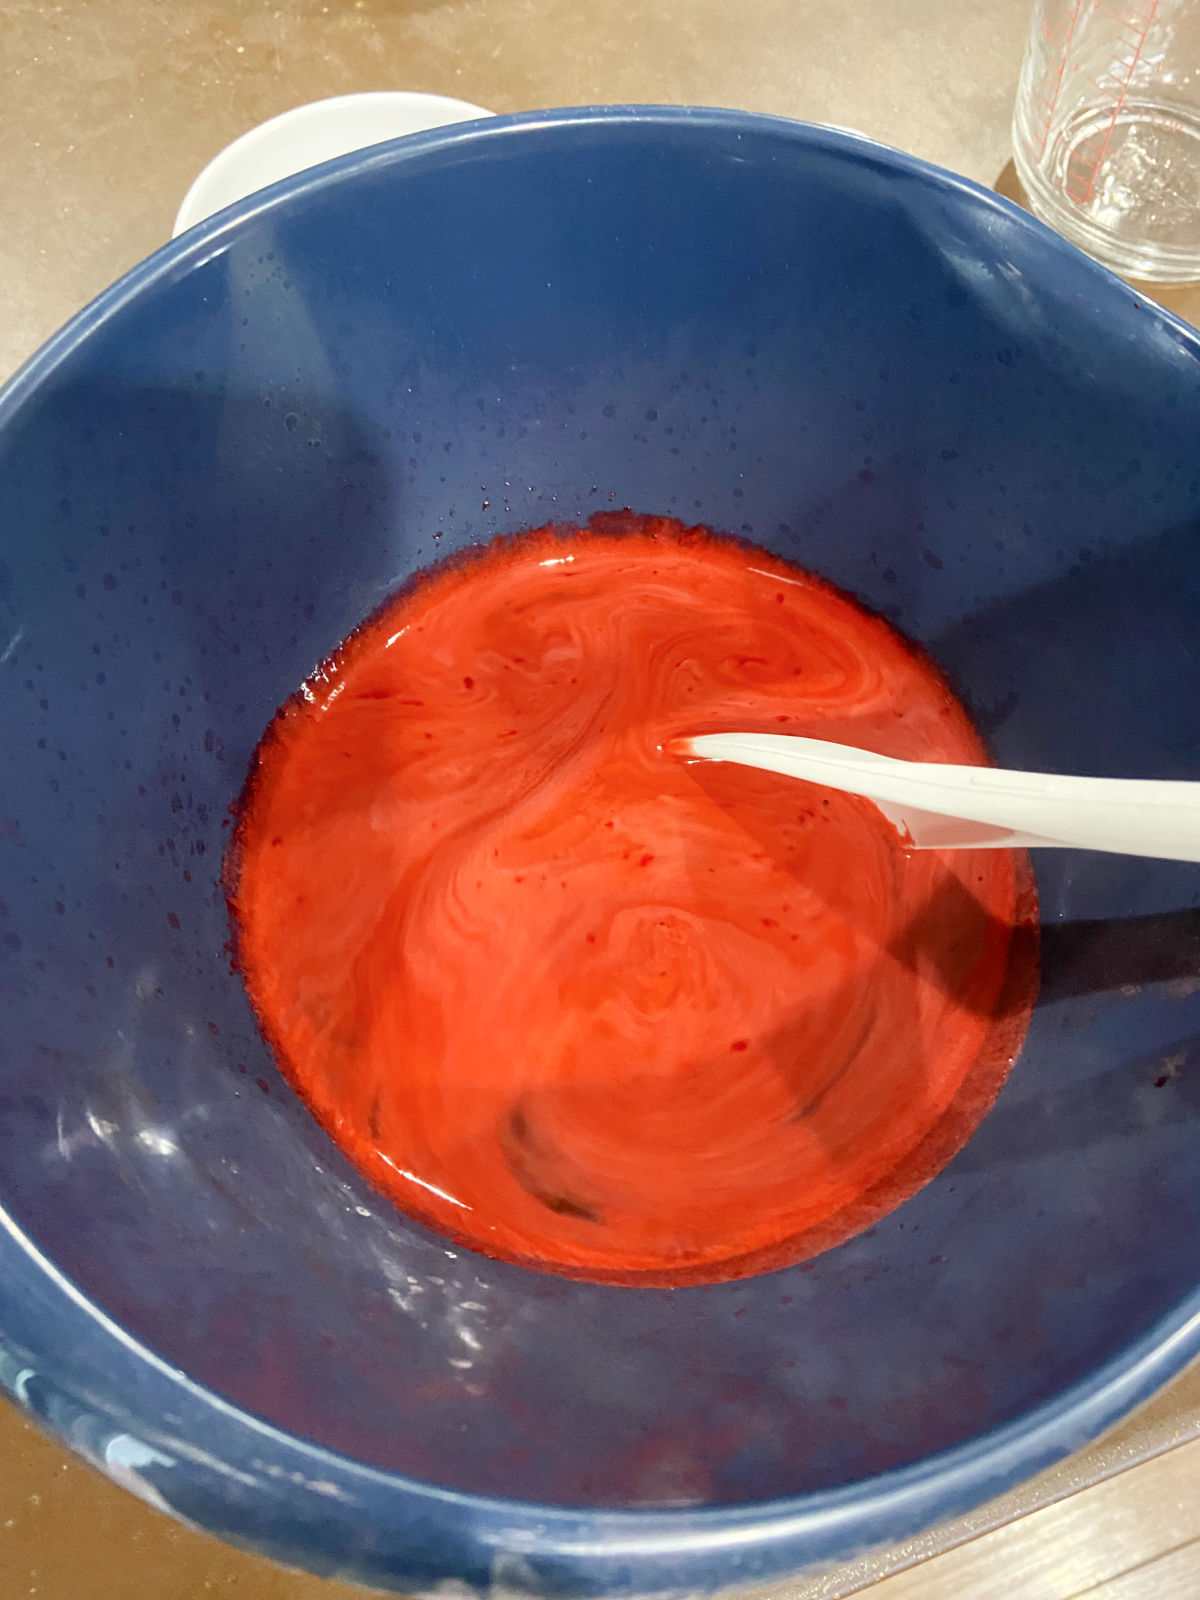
column 1086, row 159
column 1133, row 24
column 1059, row 39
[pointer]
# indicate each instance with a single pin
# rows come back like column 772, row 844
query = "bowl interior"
column 784, row 335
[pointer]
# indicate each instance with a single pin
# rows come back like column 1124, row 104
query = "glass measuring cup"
column 1106, row 131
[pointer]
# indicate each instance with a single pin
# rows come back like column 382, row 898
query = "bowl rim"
column 87, row 1361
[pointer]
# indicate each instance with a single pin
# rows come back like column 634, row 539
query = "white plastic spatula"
column 937, row 807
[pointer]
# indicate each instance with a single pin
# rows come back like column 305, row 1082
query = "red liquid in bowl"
column 578, row 1003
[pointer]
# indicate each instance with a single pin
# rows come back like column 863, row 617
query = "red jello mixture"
column 582, row 1004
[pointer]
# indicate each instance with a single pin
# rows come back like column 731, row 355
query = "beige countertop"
column 108, row 108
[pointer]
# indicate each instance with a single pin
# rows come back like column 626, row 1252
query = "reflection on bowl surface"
column 824, row 348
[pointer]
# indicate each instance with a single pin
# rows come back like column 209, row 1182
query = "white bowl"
column 308, row 135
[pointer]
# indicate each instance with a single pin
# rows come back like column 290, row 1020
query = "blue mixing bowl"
column 213, row 473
